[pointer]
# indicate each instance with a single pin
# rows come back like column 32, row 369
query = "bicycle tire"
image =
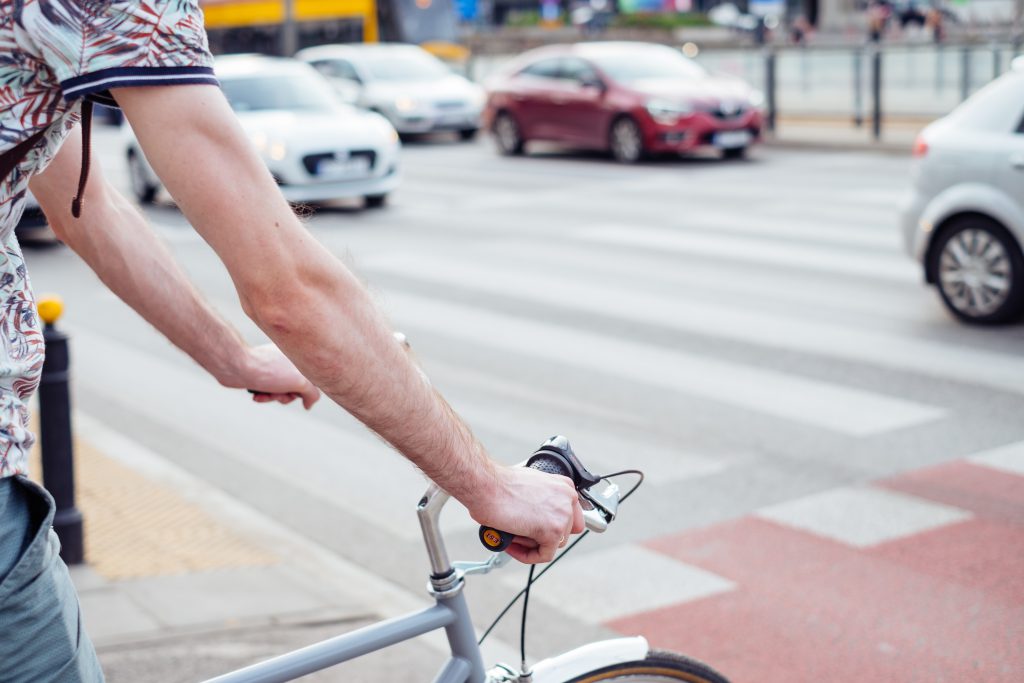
column 660, row 666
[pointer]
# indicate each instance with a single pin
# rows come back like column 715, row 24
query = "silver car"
column 405, row 83
column 964, row 218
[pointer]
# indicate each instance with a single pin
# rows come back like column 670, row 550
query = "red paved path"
column 945, row 605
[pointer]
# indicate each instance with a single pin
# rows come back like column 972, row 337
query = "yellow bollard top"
column 50, row 309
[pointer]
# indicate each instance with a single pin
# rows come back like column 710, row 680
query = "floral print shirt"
column 53, row 53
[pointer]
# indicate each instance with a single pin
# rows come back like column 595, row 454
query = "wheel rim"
column 626, row 143
column 508, row 135
column 975, row 272
column 139, row 186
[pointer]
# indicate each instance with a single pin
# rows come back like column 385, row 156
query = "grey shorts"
column 41, row 635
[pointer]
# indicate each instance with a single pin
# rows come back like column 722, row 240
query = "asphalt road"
column 747, row 333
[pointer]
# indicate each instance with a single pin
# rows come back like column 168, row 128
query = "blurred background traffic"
column 768, row 252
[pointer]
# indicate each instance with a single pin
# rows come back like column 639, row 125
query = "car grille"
column 312, row 161
column 450, row 104
column 724, row 113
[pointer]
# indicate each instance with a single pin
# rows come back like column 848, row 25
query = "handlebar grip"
column 496, row 540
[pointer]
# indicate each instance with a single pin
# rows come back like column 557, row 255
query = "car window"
column 575, row 69
column 337, row 68
column 996, row 108
column 403, row 65
column 298, row 91
column 640, row 63
column 545, row 68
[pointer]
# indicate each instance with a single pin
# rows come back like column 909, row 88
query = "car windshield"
column 629, row 66
column 290, row 92
column 405, row 65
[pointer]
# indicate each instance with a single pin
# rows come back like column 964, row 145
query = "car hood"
column 710, row 90
column 343, row 126
column 449, row 88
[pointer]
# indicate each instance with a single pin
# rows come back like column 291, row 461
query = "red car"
column 631, row 99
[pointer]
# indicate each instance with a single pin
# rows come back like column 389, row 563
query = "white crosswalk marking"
column 862, row 516
column 606, row 585
column 1009, row 458
column 677, row 311
column 807, row 401
column 758, row 250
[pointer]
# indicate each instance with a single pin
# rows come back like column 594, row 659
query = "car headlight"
column 666, row 112
column 756, row 99
column 405, row 104
column 278, row 150
column 268, row 147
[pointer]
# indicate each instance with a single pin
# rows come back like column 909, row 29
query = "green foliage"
column 661, row 20
column 523, row 19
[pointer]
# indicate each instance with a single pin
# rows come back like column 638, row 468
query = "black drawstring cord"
column 83, row 177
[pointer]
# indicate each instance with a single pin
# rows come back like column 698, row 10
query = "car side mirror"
column 592, row 82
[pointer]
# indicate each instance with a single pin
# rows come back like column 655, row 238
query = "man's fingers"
column 310, row 396
column 577, row 517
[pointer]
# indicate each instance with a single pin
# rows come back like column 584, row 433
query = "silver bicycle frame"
column 450, row 613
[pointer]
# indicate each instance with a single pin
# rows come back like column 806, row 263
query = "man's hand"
column 272, row 377
column 542, row 510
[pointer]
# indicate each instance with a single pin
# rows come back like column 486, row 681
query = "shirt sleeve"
column 92, row 47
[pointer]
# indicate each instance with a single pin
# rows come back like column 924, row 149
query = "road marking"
column 747, row 326
column 757, row 250
column 1009, row 458
column 862, row 516
column 824, row 405
column 627, row 579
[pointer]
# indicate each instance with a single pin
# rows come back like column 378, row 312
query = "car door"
column 1012, row 167
column 581, row 113
column 532, row 98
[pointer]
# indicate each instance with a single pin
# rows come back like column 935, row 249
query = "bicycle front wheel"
column 660, row 666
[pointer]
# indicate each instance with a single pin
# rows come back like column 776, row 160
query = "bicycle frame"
column 451, row 613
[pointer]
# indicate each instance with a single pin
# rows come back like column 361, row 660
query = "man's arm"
column 320, row 315
column 115, row 241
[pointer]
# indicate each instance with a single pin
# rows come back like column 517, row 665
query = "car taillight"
column 920, row 147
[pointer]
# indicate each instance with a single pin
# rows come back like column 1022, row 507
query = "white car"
column 316, row 148
column 405, row 83
column 964, row 218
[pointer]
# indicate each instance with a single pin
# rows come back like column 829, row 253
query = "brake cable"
column 531, row 579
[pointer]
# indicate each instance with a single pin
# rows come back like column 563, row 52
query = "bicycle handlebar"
column 555, row 456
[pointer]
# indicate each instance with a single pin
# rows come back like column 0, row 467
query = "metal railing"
column 866, row 84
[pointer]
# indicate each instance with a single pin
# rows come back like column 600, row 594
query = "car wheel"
column 141, row 188
column 979, row 270
column 375, row 201
column 625, row 141
column 467, row 134
column 734, row 153
column 507, row 134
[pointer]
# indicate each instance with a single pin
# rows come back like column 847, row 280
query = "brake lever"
column 604, row 505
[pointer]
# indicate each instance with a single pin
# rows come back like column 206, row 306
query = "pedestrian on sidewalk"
column 151, row 59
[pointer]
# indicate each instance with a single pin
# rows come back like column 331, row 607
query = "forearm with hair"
column 112, row 237
column 304, row 298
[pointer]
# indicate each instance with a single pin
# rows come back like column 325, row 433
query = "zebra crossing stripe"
column 687, row 314
column 1009, row 458
column 820, row 404
column 863, row 516
column 761, row 251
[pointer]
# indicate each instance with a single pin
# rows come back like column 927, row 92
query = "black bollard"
column 55, row 436
column 769, row 89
